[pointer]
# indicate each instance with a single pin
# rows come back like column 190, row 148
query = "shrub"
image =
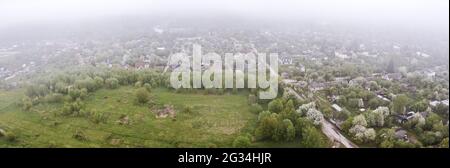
column 142, row 95
column 79, row 135
column 138, row 84
column 54, row 98
column 26, row 104
column 112, row 83
column 148, row 87
column 242, row 142
column 187, row 109
column 275, row 106
column 256, row 108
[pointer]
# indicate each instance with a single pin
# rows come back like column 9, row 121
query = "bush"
column 148, row 87
column 138, row 84
column 83, row 93
column 97, row 117
column 275, row 106
column 112, row 83
column 242, row 142
column 79, row 135
column 26, row 104
column 54, row 98
column 74, row 93
column 142, row 95
column 187, row 109
column 256, row 108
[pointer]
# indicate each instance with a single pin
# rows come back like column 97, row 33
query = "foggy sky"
column 433, row 14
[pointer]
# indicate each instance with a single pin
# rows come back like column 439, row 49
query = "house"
column 316, row 86
column 285, row 75
column 289, row 81
column 336, row 107
column 301, row 67
column 401, row 135
column 360, row 103
column 301, row 84
column 393, row 76
column 436, row 102
column 383, row 98
column 340, row 55
column 139, row 64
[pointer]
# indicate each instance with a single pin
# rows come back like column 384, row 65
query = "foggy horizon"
column 399, row 14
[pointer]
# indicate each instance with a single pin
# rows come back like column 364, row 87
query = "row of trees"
column 282, row 123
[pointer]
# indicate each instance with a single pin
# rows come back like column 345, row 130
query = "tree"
column 267, row 126
column 399, row 104
column 83, row 93
column 359, row 120
column 275, row 106
column 374, row 103
column 391, row 67
column 148, row 87
column 386, row 138
column 290, row 130
column 289, row 110
column 138, row 84
column 311, row 138
column 142, row 95
column 256, row 108
column 74, row 93
column 441, row 109
column 242, row 142
column 432, row 120
column 370, row 135
column 99, row 82
column 373, row 85
column 315, row 116
column 54, row 98
column 375, row 118
column 61, row 87
column 444, row 143
column 419, row 106
column 112, row 83
column 305, row 107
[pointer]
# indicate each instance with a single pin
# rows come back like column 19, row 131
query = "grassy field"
column 215, row 121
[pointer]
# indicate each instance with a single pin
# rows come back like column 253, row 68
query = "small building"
column 336, row 107
column 401, row 135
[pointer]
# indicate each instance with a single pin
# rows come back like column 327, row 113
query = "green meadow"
column 212, row 121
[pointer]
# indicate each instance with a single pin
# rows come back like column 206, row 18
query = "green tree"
column 275, row 106
column 148, row 87
column 444, row 143
column 312, row 138
column 74, row 93
column 290, row 130
column 267, row 126
column 399, row 104
column 99, row 82
column 256, row 108
column 112, row 83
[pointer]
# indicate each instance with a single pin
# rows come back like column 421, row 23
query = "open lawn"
column 215, row 121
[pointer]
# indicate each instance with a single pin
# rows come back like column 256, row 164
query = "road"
column 330, row 130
